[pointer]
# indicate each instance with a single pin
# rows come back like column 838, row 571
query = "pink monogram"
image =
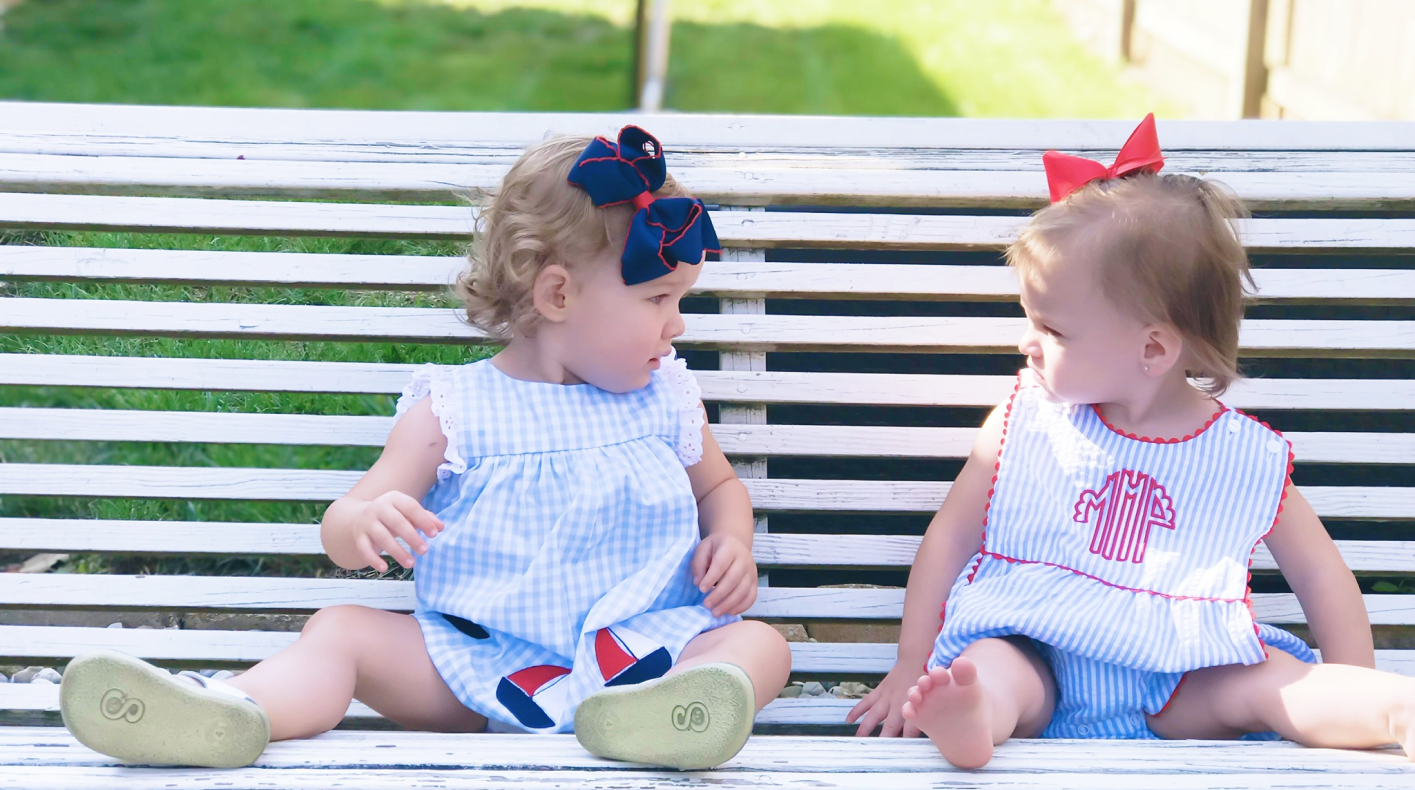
column 1126, row 508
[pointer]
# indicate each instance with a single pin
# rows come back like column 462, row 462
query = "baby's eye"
column 1051, row 331
column 658, row 299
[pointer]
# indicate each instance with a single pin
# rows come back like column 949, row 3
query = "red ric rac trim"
column 1083, row 574
column 1281, row 503
column 1221, row 409
column 992, row 486
column 657, row 147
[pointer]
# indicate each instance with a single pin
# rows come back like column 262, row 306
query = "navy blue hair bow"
column 663, row 232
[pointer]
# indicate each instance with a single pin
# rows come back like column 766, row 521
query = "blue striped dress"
column 571, row 523
column 1124, row 559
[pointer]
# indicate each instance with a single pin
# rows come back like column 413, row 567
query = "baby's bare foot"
column 948, row 705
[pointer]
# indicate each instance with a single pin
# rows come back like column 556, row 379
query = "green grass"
column 312, row 53
column 886, row 57
column 228, row 455
column 1000, row 58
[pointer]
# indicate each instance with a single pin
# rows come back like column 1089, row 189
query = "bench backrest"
column 855, row 332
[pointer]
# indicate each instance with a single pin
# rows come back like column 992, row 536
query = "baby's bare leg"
column 996, row 690
column 1327, row 705
column 353, row 652
column 756, row 647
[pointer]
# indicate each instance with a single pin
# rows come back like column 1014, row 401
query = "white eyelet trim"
column 435, row 381
column 689, row 396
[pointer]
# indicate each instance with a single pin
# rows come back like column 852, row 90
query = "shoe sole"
column 699, row 718
column 128, row 709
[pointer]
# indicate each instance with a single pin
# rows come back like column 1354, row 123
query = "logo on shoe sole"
column 693, row 716
column 116, row 705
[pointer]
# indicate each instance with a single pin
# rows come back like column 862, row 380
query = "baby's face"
column 1081, row 346
column 617, row 332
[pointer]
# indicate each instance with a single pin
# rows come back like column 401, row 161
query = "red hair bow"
column 1140, row 154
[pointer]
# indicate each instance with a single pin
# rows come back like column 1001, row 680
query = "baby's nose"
column 1028, row 342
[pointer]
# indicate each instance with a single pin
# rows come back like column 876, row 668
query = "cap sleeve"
column 435, row 382
column 688, row 397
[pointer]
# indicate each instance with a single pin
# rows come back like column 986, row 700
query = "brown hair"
column 535, row 218
column 1166, row 252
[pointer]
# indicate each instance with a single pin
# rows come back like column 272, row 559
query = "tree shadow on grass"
column 430, row 56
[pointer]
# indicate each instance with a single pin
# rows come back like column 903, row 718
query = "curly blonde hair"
column 534, row 219
column 1166, row 251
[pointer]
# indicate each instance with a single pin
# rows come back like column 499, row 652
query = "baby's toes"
column 964, row 671
column 909, row 711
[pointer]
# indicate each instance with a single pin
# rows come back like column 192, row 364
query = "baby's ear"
column 1164, row 348
column 550, row 293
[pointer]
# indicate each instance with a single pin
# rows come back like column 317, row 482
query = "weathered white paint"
column 737, row 439
column 276, row 594
column 763, row 179
column 45, row 127
column 739, row 229
column 324, row 485
column 727, row 279
column 932, row 334
column 770, row 550
column 728, row 386
column 185, row 647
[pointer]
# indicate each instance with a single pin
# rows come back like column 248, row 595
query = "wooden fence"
column 1302, row 59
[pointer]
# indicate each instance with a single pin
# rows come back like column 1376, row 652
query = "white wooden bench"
column 900, row 288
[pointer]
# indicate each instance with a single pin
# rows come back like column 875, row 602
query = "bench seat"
column 42, row 758
column 848, row 343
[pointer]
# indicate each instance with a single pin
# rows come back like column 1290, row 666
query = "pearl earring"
column 1147, row 368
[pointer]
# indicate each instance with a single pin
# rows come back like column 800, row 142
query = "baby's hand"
column 724, row 565
column 885, row 705
column 392, row 515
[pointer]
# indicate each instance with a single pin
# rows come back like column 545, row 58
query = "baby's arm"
column 1325, row 587
column 723, row 562
column 953, row 537
column 385, row 503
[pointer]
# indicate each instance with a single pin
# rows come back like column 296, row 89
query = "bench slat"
column 256, row 778
column 735, row 229
column 935, row 334
column 686, row 157
column 770, row 549
column 325, row 485
column 754, row 181
column 276, row 594
column 1348, row 502
column 891, row 389
column 208, row 267
column 719, row 154
column 793, row 759
column 116, row 425
column 191, row 647
column 721, row 278
column 340, row 134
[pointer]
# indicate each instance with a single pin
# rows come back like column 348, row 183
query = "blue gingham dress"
column 570, row 526
column 1124, row 559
